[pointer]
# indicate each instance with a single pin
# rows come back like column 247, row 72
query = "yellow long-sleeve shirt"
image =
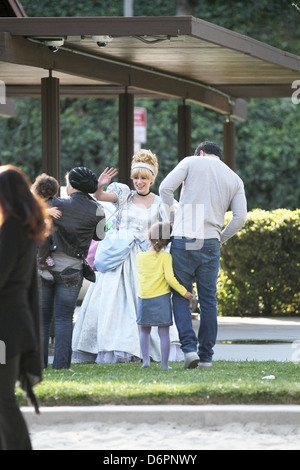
column 156, row 275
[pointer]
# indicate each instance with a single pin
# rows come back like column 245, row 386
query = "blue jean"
column 197, row 261
column 58, row 297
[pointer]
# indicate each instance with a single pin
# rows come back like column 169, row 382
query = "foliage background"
column 267, row 143
column 265, row 284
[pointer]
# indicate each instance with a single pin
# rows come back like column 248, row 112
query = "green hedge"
column 260, row 266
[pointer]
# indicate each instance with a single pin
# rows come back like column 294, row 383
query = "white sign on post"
column 140, row 126
column 2, row 93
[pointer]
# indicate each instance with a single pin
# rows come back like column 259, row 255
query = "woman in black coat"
column 23, row 224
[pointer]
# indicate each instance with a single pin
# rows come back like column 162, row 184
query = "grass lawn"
column 129, row 384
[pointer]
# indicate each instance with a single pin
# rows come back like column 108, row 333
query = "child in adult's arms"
column 154, row 296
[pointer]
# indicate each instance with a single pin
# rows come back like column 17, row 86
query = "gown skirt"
column 106, row 329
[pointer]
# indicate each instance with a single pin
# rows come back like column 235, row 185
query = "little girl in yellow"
column 156, row 275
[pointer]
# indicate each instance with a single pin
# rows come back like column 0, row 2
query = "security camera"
column 102, row 41
column 101, row 44
column 54, row 44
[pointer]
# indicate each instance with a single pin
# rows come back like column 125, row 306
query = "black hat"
column 83, row 179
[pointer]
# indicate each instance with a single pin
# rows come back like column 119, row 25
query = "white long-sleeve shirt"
column 209, row 189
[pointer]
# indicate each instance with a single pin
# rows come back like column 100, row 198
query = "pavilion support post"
column 126, row 137
column 229, row 143
column 50, row 126
column 184, row 131
column 8, row 108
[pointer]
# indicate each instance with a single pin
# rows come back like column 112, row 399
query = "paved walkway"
column 239, row 339
column 257, row 339
column 202, row 415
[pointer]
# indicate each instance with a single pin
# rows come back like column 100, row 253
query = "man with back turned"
column 209, row 189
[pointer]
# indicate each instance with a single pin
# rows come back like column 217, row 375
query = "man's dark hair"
column 210, row 148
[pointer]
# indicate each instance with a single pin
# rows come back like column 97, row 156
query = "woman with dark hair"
column 23, row 224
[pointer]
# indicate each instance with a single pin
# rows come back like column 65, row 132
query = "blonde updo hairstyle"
column 145, row 156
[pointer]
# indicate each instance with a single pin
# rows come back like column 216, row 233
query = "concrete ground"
column 257, row 339
column 209, row 426
column 252, row 339
column 202, row 415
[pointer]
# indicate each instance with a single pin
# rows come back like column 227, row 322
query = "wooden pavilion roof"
column 177, row 57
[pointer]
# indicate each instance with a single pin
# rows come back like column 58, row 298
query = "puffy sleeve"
column 121, row 190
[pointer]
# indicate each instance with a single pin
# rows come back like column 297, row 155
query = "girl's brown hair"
column 160, row 235
column 17, row 200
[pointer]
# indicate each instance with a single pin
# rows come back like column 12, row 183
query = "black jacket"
column 82, row 220
column 19, row 303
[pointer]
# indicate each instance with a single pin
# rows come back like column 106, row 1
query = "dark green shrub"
column 260, row 266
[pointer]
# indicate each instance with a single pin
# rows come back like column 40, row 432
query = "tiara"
column 143, row 165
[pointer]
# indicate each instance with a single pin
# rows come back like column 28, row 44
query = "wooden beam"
column 229, row 143
column 184, row 125
column 116, row 26
column 21, row 51
column 7, row 109
column 257, row 91
column 15, row 8
column 126, row 123
column 129, row 26
column 80, row 91
column 113, row 91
